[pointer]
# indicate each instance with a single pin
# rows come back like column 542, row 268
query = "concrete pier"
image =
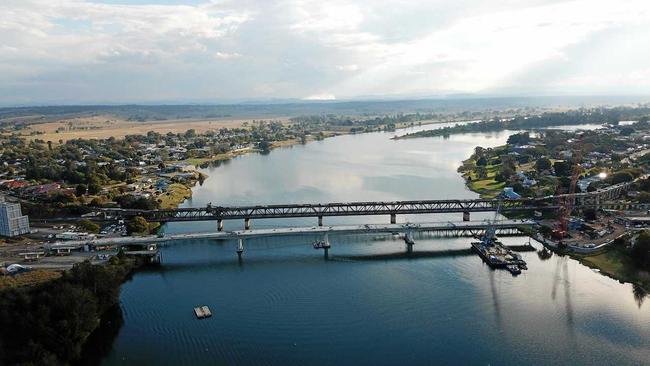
column 466, row 216
column 408, row 239
column 240, row 247
column 247, row 223
column 393, row 218
column 320, row 220
column 220, row 225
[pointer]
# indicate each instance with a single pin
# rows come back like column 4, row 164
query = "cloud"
column 321, row 96
column 351, row 67
column 84, row 51
column 226, row 55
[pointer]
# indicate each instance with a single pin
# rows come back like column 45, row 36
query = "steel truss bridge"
column 596, row 199
column 392, row 209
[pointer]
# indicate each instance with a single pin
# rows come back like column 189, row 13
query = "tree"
column 641, row 250
column 481, row 172
column 562, row 168
column 644, row 197
column 519, row 139
column 264, row 145
column 626, row 131
column 620, row 177
column 94, row 188
column 482, row 161
column 137, row 225
column 504, row 174
column 80, row 190
column 542, row 164
column 89, row 226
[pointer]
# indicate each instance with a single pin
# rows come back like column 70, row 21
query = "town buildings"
column 12, row 220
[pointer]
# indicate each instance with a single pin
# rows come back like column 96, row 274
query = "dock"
column 202, row 312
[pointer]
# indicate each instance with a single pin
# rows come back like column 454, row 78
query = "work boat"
column 320, row 244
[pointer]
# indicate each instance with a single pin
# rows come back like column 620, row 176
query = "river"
column 285, row 305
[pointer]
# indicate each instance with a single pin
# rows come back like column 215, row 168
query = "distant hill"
column 40, row 114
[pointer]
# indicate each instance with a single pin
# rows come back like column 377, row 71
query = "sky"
column 144, row 51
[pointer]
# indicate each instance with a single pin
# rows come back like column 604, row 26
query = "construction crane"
column 568, row 200
column 490, row 232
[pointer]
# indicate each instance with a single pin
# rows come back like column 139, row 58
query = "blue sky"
column 69, row 51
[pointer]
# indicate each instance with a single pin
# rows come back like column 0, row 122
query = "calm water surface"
column 285, row 305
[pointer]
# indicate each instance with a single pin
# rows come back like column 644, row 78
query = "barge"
column 496, row 255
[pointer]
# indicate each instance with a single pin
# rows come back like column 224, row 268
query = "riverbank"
column 616, row 264
column 530, row 168
column 49, row 323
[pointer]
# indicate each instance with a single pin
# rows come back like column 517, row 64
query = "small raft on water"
column 202, row 312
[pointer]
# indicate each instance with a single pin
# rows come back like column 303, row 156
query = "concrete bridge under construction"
column 463, row 228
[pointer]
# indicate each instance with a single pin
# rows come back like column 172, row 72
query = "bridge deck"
column 476, row 226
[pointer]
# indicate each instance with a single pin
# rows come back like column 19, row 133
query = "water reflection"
column 495, row 299
column 639, row 294
column 544, row 254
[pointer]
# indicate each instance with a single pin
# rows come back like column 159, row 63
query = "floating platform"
column 202, row 312
column 499, row 256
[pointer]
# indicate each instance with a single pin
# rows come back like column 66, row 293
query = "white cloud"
column 226, row 55
column 321, row 96
column 76, row 50
column 350, row 67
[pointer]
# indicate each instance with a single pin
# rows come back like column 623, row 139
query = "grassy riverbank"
column 617, row 264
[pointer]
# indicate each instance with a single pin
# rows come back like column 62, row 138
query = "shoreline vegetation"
column 532, row 122
column 49, row 323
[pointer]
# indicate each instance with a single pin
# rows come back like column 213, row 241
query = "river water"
column 285, row 305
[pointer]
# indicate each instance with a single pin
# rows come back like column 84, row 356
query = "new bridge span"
column 464, row 228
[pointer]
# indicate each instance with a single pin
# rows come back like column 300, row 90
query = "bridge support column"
column 240, row 247
column 393, row 218
column 408, row 239
column 320, row 220
column 326, row 253
column 465, row 215
column 247, row 224
column 220, row 225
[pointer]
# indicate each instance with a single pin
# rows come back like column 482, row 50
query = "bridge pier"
column 247, row 223
column 465, row 215
column 408, row 239
column 393, row 218
column 320, row 220
column 240, row 247
column 220, row 225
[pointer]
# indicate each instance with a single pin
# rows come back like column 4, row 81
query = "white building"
column 12, row 221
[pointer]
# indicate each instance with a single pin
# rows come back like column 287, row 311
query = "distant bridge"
column 392, row 209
